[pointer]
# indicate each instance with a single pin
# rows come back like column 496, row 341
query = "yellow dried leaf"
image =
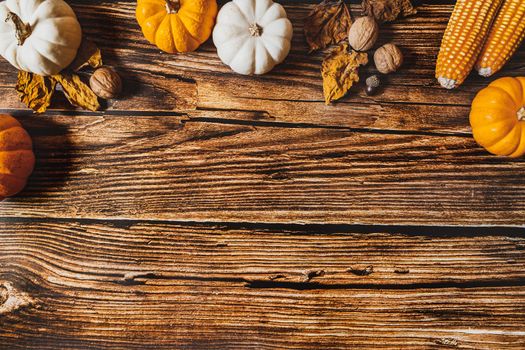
column 77, row 92
column 95, row 61
column 35, row 90
column 340, row 71
column 88, row 55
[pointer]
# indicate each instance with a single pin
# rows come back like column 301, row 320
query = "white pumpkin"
column 39, row 36
column 252, row 36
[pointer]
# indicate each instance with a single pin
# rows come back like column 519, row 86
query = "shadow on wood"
column 52, row 147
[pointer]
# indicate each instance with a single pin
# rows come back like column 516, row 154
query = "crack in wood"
column 289, row 125
column 451, row 342
column 491, row 283
column 366, row 102
column 132, row 278
column 276, row 277
column 401, row 270
column 258, row 119
column 280, row 281
column 275, row 281
column 311, row 274
column 361, row 271
column 514, row 233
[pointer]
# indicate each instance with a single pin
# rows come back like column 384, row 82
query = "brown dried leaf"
column 77, row 92
column 340, row 71
column 388, row 10
column 327, row 24
column 35, row 90
column 88, row 55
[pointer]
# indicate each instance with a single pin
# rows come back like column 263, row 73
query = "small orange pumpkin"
column 498, row 117
column 16, row 156
column 176, row 25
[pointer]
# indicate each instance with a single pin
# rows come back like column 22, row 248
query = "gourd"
column 176, row 25
column 252, row 36
column 497, row 117
column 39, row 36
column 16, row 156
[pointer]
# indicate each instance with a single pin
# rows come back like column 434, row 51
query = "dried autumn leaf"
column 77, row 92
column 388, row 10
column 340, row 71
column 88, row 55
column 328, row 23
column 35, row 90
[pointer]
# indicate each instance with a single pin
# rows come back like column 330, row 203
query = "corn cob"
column 504, row 38
column 466, row 32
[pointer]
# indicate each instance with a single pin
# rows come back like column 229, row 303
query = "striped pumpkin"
column 16, row 156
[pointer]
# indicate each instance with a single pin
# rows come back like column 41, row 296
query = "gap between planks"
column 312, row 275
column 200, row 116
column 296, row 228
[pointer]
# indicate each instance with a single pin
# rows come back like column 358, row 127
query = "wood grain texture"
column 292, row 93
column 208, row 210
column 268, row 255
column 169, row 168
column 133, row 285
column 203, row 315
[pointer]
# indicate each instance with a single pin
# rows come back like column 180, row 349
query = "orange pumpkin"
column 16, row 156
column 498, row 117
column 176, row 25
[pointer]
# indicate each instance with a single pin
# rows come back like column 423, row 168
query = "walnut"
column 106, row 83
column 363, row 33
column 388, row 58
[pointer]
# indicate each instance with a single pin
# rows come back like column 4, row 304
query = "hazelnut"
column 372, row 85
column 106, row 83
column 388, row 58
column 363, row 33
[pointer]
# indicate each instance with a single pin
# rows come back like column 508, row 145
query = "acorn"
column 372, row 85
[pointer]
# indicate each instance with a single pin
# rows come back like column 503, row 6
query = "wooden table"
column 208, row 210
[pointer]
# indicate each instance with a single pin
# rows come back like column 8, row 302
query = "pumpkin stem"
column 172, row 6
column 255, row 30
column 521, row 114
column 23, row 31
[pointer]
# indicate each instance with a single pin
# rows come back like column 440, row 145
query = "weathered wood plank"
column 304, row 257
column 292, row 92
column 94, row 306
column 199, row 316
column 167, row 168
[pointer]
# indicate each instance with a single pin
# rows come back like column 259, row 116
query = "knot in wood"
column 12, row 299
column 4, row 295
